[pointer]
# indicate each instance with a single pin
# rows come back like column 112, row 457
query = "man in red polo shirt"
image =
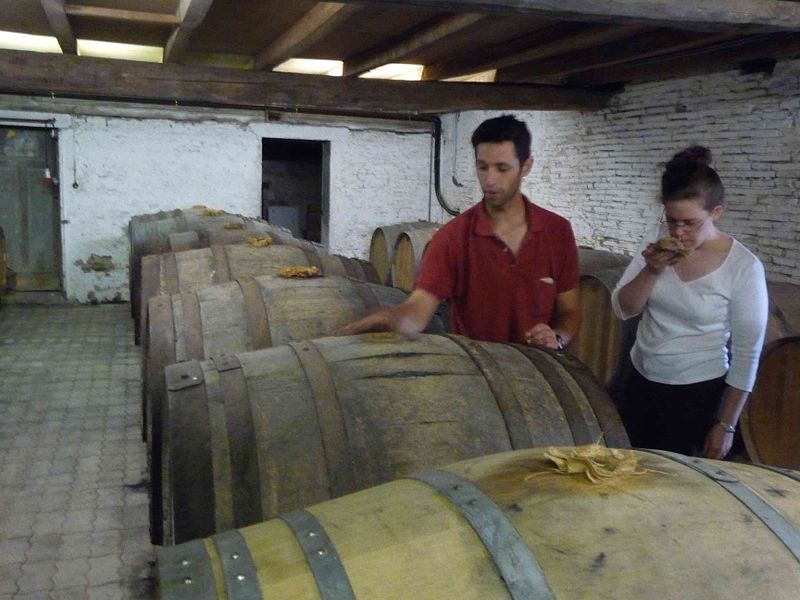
column 508, row 267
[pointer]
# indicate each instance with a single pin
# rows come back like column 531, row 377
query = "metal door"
column 29, row 207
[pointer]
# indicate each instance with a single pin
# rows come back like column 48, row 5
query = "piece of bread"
column 673, row 245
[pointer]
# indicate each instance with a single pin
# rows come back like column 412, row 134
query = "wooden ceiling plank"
column 191, row 13
column 699, row 61
column 450, row 25
column 70, row 76
column 652, row 44
column 577, row 41
column 752, row 15
column 318, row 22
column 126, row 16
column 59, row 24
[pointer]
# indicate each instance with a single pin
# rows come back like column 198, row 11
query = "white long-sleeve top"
column 685, row 326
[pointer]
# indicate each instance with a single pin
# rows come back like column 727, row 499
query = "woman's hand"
column 657, row 259
column 718, row 442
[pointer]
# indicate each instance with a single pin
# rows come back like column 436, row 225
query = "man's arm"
column 565, row 321
column 410, row 317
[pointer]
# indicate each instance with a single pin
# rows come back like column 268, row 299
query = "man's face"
column 499, row 172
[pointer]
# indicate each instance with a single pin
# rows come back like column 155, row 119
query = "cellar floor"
column 73, row 490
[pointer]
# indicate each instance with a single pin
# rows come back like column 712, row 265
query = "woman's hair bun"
column 692, row 154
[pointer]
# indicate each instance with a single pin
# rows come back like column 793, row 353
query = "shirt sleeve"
column 634, row 267
column 436, row 271
column 749, row 307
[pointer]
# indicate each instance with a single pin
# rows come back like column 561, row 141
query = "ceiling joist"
column 558, row 44
column 653, row 43
column 699, row 61
column 397, row 52
column 190, row 13
column 739, row 15
column 312, row 27
column 70, row 76
column 125, row 16
column 59, row 25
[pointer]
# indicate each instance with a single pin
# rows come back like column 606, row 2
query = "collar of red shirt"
column 483, row 225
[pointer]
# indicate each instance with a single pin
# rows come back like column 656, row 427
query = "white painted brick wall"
column 602, row 170
column 115, row 167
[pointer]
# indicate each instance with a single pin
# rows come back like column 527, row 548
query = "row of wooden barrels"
column 237, row 436
column 189, row 324
column 191, row 321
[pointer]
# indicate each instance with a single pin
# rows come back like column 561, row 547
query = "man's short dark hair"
column 506, row 128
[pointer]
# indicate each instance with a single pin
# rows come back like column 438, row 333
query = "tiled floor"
column 73, row 501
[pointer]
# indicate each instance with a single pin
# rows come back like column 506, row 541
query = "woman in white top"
column 703, row 307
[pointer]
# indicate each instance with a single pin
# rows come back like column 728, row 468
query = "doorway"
column 295, row 186
column 29, row 207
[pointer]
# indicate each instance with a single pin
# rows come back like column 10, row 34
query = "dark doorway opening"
column 294, row 186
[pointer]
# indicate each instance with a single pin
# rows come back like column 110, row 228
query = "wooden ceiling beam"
column 191, row 13
column 699, row 61
column 125, row 16
column 593, row 36
column 36, row 73
column 59, row 25
column 750, row 15
column 651, row 44
column 447, row 26
column 318, row 22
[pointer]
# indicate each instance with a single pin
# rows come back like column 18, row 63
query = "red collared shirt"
column 494, row 296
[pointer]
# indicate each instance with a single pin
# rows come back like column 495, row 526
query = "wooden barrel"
column 784, row 310
column 152, row 233
column 188, row 270
column 770, row 421
column 238, row 316
column 382, row 245
column 507, row 526
column 250, row 435
column 592, row 260
column 408, row 251
column 3, row 262
column 603, row 341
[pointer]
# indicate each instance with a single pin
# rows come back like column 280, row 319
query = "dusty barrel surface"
column 770, row 421
column 193, row 228
column 507, row 526
column 603, row 340
column 383, row 243
column 784, row 310
column 251, row 435
column 592, row 260
column 408, row 251
column 241, row 315
column 189, row 270
column 2, row 262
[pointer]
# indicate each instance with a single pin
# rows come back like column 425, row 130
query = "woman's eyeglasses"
column 688, row 225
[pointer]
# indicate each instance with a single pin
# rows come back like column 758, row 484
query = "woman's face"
column 688, row 220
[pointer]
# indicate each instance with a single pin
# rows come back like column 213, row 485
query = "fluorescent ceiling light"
column 121, row 51
column 396, row 71
column 482, row 77
column 310, row 66
column 23, row 41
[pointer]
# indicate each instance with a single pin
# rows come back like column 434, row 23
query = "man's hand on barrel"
column 376, row 322
column 541, row 335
